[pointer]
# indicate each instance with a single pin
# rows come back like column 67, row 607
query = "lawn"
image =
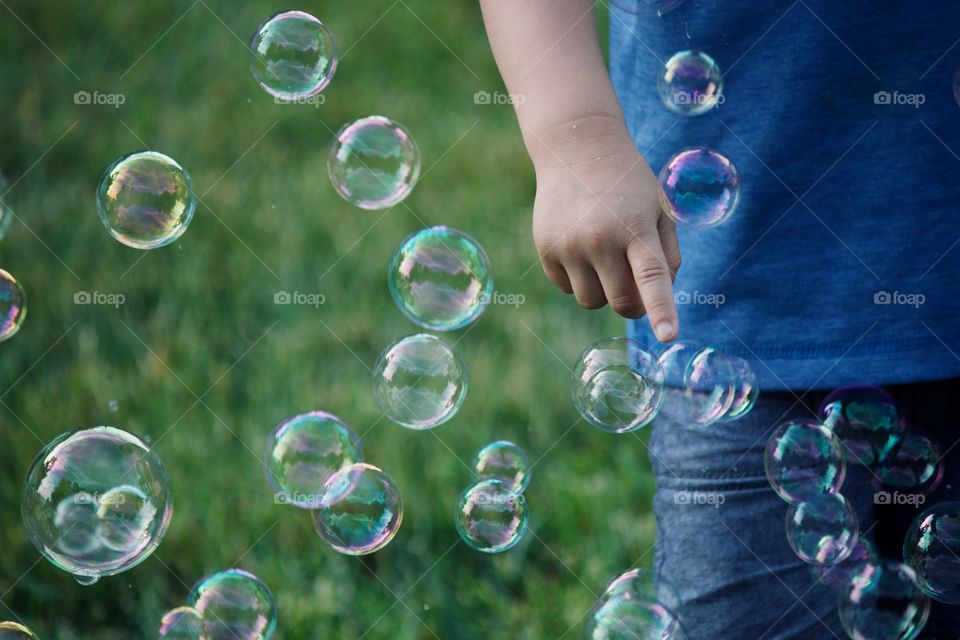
column 199, row 359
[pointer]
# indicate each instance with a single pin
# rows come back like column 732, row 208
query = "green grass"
column 199, row 320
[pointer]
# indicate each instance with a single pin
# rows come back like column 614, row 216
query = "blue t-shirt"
column 849, row 106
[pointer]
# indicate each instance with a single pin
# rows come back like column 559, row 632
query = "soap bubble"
column 420, row 381
column 641, row 584
column 838, row 577
column 6, row 213
column 701, row 385
column 699, row 187
column 374, row 163
column 182, row 623
column 690, row 83
column 746, row 390
column 440, row 278
column 804, row 460
column 365, row 518
column 146, row 200
column 711, row 380
column 293, row 55
column 932, row 550
column 96, row 502
column 884, row 603
column 504, row 461
column 914, row 463
column 13, row 306
column 234, row 605
column 646, row 7
column 491, row 517
column 303, row 452
column 617, row 385
column 15, row 631
column 625, row 618
column 822, row 530
column 866, row 421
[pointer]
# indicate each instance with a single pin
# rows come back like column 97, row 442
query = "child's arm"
column 597, row 222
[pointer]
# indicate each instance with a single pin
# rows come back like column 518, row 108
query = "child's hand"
column 598, row 226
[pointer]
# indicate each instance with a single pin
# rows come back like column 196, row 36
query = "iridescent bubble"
column 866, row 421
column 746, row 390
column 884, row 603
column 699, row 187
column 374, row 163
column 701, row 385
column 804, row 460
column 617, row 385
column 440, row 278
column 293, row 55
column 822, row 530
column 710, row 379
column 646, row 7
column 182, row 623
column 146, row 200
column 303, row 452
column 15, row 631
column 932, row 549
column 420, row 381
column 839, row 576
column 234, row 605
column 366, row 518
column 641, row 584
column 625, row 618
column 13, row 306
column 504, row 461
column 96, row 502
column 6, row 213
column 914, row 463
column 491, row 517
column 690, row 83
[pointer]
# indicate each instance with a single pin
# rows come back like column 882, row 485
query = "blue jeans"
column 720, row 527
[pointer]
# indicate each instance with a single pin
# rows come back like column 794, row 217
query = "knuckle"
column 627, row 305
column 674, row 262
column 650, row 271
column 591, row 301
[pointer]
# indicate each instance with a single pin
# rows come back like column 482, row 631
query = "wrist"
column 578, row 140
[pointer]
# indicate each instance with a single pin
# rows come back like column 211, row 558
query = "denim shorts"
column 721, row 544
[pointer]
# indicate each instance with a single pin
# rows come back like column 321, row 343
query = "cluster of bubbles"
column 632, row 607
column 293, row 55
column 314, row 461
column 699, row 187
column 15, row 631
column 6, row 213
column 806, row 462
column 96, row 502
column 690, row 83
column 492, row 513
column 13, row 305
column 227, row 605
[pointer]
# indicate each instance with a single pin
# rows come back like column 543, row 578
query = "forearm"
column 548, row 53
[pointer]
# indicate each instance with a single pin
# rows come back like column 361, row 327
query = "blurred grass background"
column 199, row 321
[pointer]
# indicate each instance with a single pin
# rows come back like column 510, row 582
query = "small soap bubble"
column 440, row 278
column 374, row 163
column 113, row 406
column 420, row 381
column 804, row 460
column 626, row 618
column 699, row 187
column 646, row 7
column 293, row 55
column 491, row 517
column 303, row 453
column 865, row 419
column 914, row 463
column 6, row 213
column 146, row 200
column 234, row 605
column 96, row 502
column 746, row 390
column 364, row 519
column 504, row 461
column 884, row 602
column 690, row 83
column 837, row 577
column 701, row 385
column 711, row 379
column 86, row 580
column 641, row 584
column 15, row 631
column 932, row 550
column 822, row 530
column 617, row 385
column 13, row 306
column 182, row 623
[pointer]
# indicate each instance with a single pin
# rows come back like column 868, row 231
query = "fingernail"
column 664, row 331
